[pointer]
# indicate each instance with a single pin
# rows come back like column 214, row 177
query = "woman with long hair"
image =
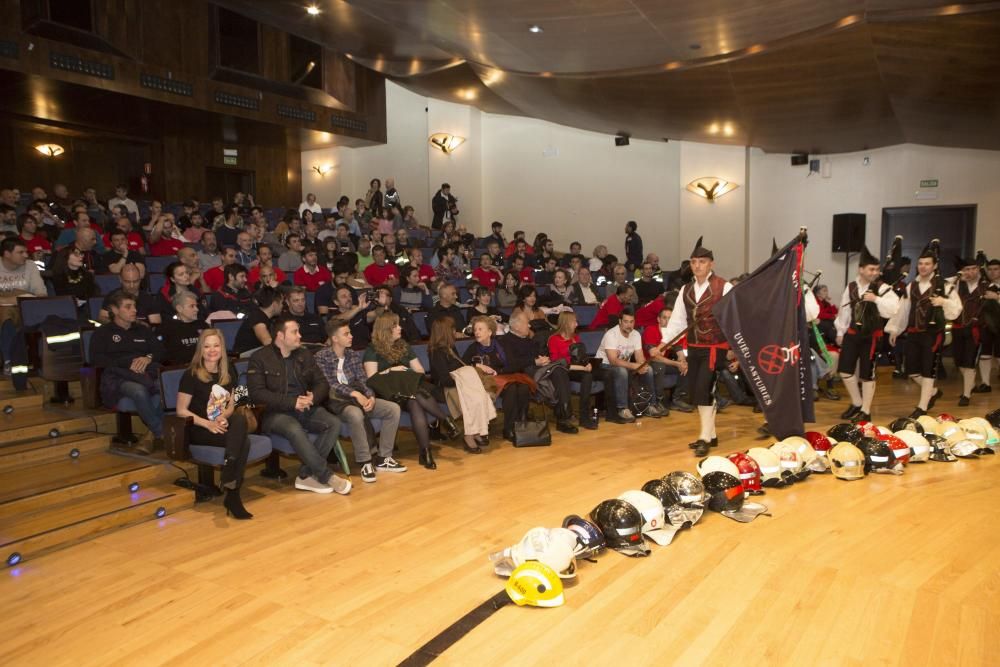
column 178, row 279
column 507, row 290
column 373, row 198
column 559, row 349
column 560, row 291
column 489, row 356
column 483, row 305
column 527, row 302
column 387, row 353
column 206, row 396
column 307, row 217
column 444, row 359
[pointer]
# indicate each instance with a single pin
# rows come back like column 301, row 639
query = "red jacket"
column 827, row 311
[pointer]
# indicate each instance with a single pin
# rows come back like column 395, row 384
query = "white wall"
column 783, row 198
column 576, row 185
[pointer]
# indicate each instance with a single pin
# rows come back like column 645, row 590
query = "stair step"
column 34, row 423
column 37, row 451
column 63, row 524
column 25, row 489
column 20, row 399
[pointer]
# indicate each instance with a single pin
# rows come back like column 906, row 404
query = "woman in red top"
column 827, row 314
column 559, row 348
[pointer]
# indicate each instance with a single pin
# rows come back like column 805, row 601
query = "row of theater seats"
column 271, row 448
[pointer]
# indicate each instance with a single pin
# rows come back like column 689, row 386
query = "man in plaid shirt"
column 345, row 372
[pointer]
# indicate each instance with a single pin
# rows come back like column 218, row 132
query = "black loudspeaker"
column 848, row 232
column 621, row 140
column 799, row 159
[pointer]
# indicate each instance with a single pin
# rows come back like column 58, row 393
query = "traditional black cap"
column 774, row 247
column 963, row 262
column 866, row 258
column 700, row 251
column 931, row 250
column 981, row 259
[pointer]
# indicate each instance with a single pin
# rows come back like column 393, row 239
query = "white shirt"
column 129, row 205
column 887, row 303
column 614, row 339
column 314, row 207
column 678, row 317
column 897, row 324
column 811, row 305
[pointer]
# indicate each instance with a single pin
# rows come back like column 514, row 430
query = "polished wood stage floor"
column 888, row 570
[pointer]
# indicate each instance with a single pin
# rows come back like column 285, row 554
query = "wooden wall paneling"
column 274, row 54
column 175, row 37
column 340, row 79
column 119, row 23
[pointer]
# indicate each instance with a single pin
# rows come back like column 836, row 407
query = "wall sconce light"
column 446, row 143
column 322, row 169
column 50, row 150
column 711, row 187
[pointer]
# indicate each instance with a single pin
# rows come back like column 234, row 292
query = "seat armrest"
column 175, row 437
column 90, row 387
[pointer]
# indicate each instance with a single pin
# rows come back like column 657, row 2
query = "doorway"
column 955, row 226
column 227, row 182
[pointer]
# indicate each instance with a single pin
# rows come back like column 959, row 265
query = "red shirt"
column 163, row 247
column 486, row 278
column 135, row 241
column 214, row 278
column 827, row 311
column 36, row 244
column 651, row 337
column 559, row 347
column 312, row 281
column 253, row 275
column 527, row 276
column 512, row 248
column 610, row 307
column 646, row 316
column 426, row 273
column 377, row 275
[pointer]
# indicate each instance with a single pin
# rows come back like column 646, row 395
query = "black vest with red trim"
column 865, row 320
column 920, row 307
column 972, row 303
column 702, row 327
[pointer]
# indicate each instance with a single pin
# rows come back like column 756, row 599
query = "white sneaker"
column 339, row 485
column 312, row 484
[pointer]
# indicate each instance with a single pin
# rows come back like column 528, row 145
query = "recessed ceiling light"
column 535, row 29
column 313, row 10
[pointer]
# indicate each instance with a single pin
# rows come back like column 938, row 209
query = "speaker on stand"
column 848, row 237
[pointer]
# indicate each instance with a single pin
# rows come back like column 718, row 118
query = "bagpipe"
column 936, row 321
column 866, row 318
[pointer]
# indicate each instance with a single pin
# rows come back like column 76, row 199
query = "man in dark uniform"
column 990, row 329
column 311, row 326
column 966, row 329
column 924, row 327
column 234, row 295
column 865, row 303
column 706, row 344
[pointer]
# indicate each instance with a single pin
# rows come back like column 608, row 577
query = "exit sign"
column 229, row 161
column 929, row 183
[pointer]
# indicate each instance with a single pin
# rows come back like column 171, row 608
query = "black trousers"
column 858, row 349
column 514, row 400
column 923, row 349
column 965, row 346
column 989, row 343
column 236, row 443
column 702, row 373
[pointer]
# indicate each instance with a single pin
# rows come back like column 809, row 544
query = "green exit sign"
column 229, row 161
column 929, row 183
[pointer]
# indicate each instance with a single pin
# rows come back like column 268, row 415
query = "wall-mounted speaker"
column 621, row 140
column 848, row 232
column 799, row 159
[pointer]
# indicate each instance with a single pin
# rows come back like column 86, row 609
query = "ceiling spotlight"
column 710, row 187
column 312, row 10
column 536, row 29
column 50, row 150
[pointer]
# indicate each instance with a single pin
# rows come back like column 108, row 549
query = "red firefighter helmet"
column 900, row 449
column 945, row 417
column 819, row 442
column 750, row 475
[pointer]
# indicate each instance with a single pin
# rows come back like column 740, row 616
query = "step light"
column 133, row 487
column 74, row 453
column 161, row 512
column 13, row 559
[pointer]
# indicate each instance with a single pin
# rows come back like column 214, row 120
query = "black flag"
column 764, row 320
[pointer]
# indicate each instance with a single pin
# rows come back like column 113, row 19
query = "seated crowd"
column 334, row 307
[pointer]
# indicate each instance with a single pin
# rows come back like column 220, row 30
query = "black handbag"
column 532, row 432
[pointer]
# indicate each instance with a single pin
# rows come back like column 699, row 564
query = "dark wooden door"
column 955, row 226
column 227, row 182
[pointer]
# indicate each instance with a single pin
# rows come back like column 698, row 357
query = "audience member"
column 491, row 357
column 180, row 333
column 147, row 306
column 312, row 328
column 623, row 359
column 311, row 274
column 466, row 396
column 447, row 305
column 209, row 255
column 234, row 295
column 255, row 331
column 130, row 357
column 284, row 377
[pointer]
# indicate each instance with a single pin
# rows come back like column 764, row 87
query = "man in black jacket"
column 441, row 205
column 284, row 378
column 129, row 354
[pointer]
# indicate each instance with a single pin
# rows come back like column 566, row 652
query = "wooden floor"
column 887, row 570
